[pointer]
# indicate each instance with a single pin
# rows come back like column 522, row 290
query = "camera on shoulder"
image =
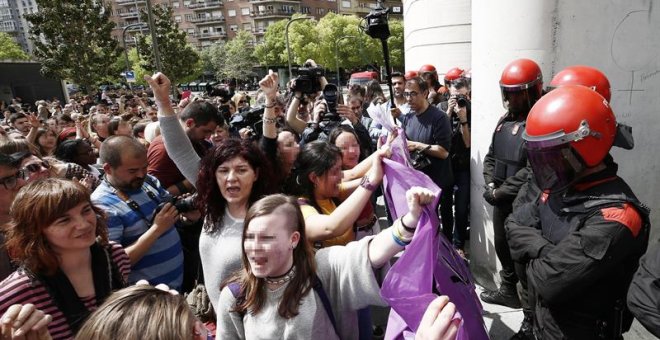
column 308, row 79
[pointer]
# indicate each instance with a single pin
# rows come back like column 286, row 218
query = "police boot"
column 505, row 296
column 526, row 331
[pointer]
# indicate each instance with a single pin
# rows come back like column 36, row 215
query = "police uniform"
column 581, row 249
column 505, row 166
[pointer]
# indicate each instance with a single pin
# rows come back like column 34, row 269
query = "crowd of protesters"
column 263, row 211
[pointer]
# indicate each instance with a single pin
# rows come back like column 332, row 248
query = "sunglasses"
column 10, row 182
column 36, row 167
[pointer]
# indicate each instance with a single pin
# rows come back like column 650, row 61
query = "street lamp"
column 337, row 54
column 154, row 40
column 286, row 38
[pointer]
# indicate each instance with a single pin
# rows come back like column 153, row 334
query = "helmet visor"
column 555, row 168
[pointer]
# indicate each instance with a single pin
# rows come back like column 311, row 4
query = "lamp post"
column 123, row 39
column 154, row 40
column 286, row 38
column 337, row 54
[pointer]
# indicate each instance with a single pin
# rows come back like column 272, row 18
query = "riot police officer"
column 504, row 172
column 583, row 235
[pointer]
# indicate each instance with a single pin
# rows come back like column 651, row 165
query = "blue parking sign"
column 130, row 76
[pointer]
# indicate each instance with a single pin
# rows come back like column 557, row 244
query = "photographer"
column 458, row 108
column 309, row 82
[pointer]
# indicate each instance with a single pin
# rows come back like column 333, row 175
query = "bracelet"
column 400, row 235
column 407, row 228
column 269, row 120
column 270, row 106
column 366, row 183
column 399, row 241
column 297, row 97
column 464, row 123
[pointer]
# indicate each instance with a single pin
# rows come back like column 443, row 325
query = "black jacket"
column 581, row 249
column 644, row 291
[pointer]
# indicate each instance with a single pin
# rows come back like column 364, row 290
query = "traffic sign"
column 130, row 76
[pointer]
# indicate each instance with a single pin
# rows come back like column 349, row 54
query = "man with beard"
column 130, row 197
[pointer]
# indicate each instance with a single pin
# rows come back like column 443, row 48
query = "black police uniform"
column 505, row 166
column 581, row 249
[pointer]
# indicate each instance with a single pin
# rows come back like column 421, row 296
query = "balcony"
column 270, row 13
column 258, row 31
column 210, row 35
column 129, row 15
column 7, row 28
column 124, row 2
column 206, row 19
column 206, row 5
column 257, row 2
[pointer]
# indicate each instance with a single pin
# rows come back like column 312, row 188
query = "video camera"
column 377, row 26
column 248, row 119
column 308, row 79
column 331, row 94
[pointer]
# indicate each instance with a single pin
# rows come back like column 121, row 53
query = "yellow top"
column 327, row 207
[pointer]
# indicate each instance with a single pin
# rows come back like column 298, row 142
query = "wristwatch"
column 365, row 183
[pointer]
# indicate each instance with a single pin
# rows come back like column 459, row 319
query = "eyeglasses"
column 10, row 182
column 410, row 94
column 36, row 167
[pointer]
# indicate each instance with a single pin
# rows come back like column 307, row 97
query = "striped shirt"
column 163, row 262
column 19, row 288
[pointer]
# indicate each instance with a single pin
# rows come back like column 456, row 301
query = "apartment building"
column 13, row 22
column 207, row 21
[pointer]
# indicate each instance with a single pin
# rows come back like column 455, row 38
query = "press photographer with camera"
column 310, row 80
column 458, row 108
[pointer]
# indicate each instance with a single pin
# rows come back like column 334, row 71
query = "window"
column 304, row 9
column 189, row 17
column 245, row 11
column 247, row 26
column 231, row 12
column 186, row 3
column 346, row 4
column 233, row 28
column 177, row 19
column 319, row 11
column 333, row 11
column 175, row 4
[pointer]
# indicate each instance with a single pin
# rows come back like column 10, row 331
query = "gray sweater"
column 349, row 282
column 179, row 148
column 220, row 253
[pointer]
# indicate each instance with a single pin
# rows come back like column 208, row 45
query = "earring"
column 293, row 246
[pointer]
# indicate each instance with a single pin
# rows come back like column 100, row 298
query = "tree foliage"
column 319, row 40
column 179, row 60
column 234, row 59
column 77, row 44
column 10, row 50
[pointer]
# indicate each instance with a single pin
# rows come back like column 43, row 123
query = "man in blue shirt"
column 130, row 197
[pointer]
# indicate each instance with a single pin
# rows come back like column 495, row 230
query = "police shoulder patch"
column 626, row 215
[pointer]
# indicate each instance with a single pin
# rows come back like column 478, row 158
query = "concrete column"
column 437, row 32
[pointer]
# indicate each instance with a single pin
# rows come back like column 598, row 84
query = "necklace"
column 282, row 279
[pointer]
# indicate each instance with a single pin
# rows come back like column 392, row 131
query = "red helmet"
column 585, row 76
column 521, row 84
column 453, row 74
column 410, row 75
column 427, row 68
column 570, row 128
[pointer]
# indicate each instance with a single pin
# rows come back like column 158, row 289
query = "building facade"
column 13, row 22
column 207, row 21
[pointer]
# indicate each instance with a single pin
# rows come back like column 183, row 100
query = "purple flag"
column 429, row 261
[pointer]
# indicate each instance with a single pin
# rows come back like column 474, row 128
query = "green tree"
column 10, row 50
column 272, row 51
column 77, row 43
column 236, row 60
column 179, row 59
column 395, row 45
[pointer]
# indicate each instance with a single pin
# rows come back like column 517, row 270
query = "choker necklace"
column 278, row 280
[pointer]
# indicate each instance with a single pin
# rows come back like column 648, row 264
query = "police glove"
column 489, row 196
